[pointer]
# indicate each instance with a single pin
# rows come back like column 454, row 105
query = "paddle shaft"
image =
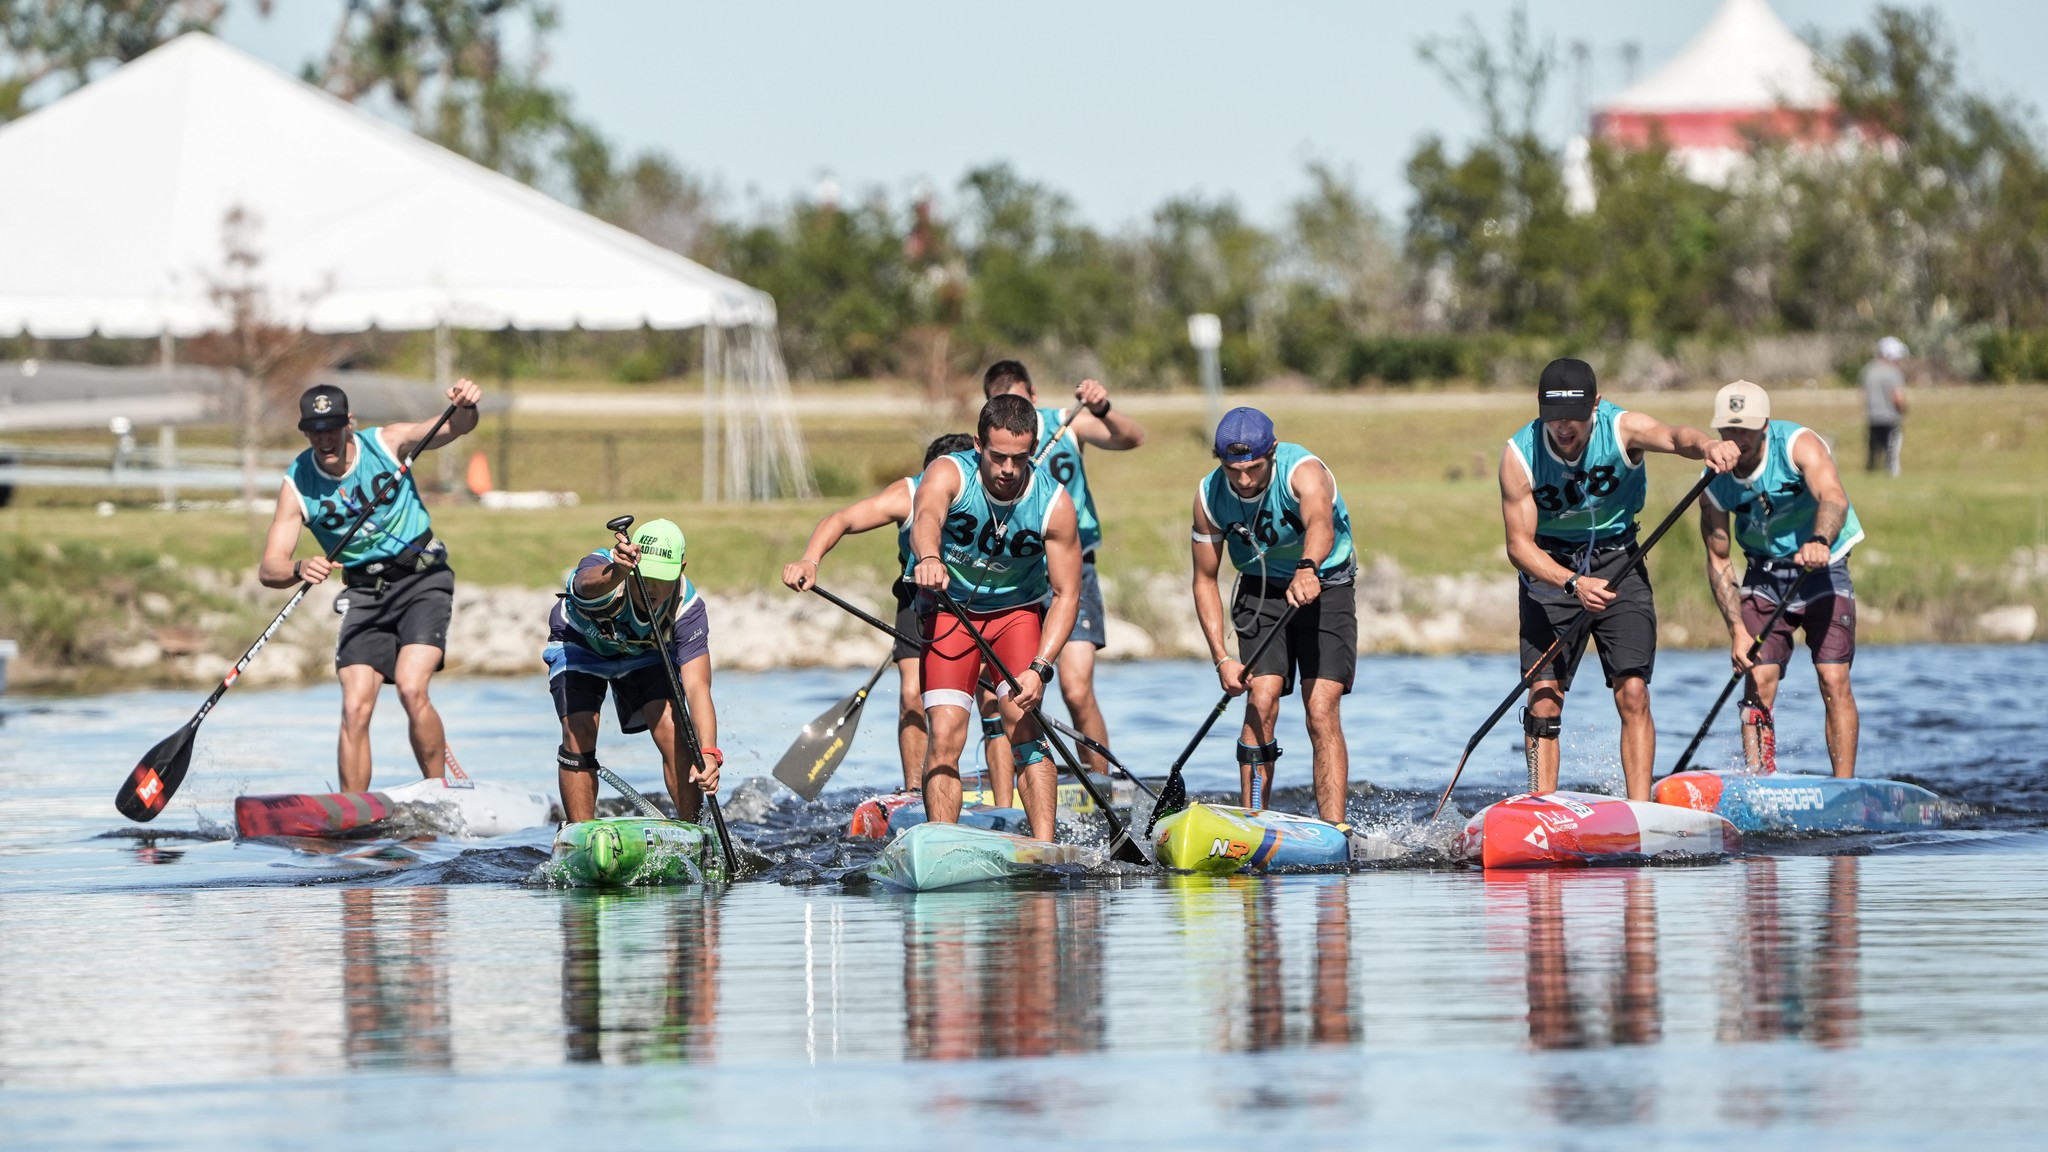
column 1063, row 729
column 647, row 807
column 686, row 727
column 1118, row 834
column 191, row 727
column 1756, row 647
column 1173, row 774
column 1570, row 636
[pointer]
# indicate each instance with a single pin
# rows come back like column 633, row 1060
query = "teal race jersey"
column 1594, row 499
column 906, row 550
column 1274, row 517
column 330, row 504
column 1772, row 507
column 1067, row 467
column 611, row 625
column 995, row 552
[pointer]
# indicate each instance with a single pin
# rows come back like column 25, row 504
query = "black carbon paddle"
column 156, row 776
column 1571, row 635
column 686, row 728
column 821, row 747
column 1121, row 845
column 1064, row 729
column 1173, row 795
column 1756, row 648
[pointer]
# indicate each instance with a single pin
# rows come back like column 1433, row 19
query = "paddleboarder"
column 398, row 589
column 1097, row 425
column 601, row 636
column 1785, row 505
column 998, row 535
column 892, row 505
column 1274, row 506
column 1572, row 482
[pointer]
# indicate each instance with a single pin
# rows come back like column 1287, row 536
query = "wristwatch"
column 1305, row 562
column 1821, row 540
column 1571, row 584
column 1043, row 668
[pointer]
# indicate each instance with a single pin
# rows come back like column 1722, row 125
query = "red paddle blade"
column 150, row 786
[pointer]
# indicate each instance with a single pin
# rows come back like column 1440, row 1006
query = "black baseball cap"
column 1567, row 391
column 322, row 406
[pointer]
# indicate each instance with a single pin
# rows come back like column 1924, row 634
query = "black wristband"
column 1101, row 414
column 1821, row 540
column 297, row 577
column 1043, row 667
column 1305, row 562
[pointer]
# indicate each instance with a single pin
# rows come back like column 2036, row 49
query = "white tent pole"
column 711, row 398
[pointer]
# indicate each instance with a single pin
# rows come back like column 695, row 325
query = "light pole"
column 1205, row 332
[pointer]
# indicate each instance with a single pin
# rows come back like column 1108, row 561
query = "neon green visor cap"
column 661, row 549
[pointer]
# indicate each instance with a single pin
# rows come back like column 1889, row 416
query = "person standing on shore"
column 399, row 590
column 1796, row 527
column 602, row 636
column 892, row 505
column 997, row 535
column 1098, row 425
column 1276, row 509
column 1572, row 483
column 1884, row 402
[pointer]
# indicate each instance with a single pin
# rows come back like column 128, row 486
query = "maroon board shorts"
column 1823, row 604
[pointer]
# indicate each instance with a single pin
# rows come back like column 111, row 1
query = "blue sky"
column 1120, row 104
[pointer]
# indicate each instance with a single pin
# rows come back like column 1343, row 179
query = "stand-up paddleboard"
column 1219, row 839
column 483, row 809
column 931, row 856
column 879, row 817
column 1787, row 803
column 624, row 851
column 1578, row 829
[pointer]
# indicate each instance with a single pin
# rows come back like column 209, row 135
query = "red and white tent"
column 1745, row 72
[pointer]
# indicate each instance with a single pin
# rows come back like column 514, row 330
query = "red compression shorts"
column 951, row 662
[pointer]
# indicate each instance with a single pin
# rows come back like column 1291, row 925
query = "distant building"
column 1744, row 73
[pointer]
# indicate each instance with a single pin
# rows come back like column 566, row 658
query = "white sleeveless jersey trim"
column 1527, row 471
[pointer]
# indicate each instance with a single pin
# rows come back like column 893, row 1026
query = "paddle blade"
column 1173, row 796
column 150, row 786
column 817, row 751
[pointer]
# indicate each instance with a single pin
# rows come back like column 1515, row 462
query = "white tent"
column 115, row 198
column 1744, row 70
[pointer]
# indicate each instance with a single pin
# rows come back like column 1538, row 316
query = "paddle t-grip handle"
column 619, row 523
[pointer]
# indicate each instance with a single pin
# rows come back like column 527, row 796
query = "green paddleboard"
column 626, row 851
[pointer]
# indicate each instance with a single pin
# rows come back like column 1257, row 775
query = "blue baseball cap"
column 1244, row 434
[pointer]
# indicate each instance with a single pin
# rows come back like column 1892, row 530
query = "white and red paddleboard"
column 1579, row 829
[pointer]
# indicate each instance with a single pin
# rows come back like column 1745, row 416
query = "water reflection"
column 394, row 979
column 1002, row 974
column 1784, row 990
column 658, row 1002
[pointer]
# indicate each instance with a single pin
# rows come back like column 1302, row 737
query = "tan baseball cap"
column 1742, row 405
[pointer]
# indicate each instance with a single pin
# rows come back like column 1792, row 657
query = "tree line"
column 1927, row 218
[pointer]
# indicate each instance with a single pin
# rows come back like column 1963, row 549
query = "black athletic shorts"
column 1321, row 641
column 376, row 622
column 584, row 692
column 1625, row 631
column 906, row 622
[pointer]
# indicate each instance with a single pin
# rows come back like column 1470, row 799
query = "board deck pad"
column 1221, row 839
column 932, row 856
column 1790, row 804
column 1581, row 829
column 879, row 817
column 634, row 851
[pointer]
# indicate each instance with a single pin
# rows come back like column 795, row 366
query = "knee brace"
column 1541, row 727
column 569, row 761
column 991, row 727
column 1257, row 753
column 1025, row 755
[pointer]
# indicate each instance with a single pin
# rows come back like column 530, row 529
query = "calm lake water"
column 187, row 990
